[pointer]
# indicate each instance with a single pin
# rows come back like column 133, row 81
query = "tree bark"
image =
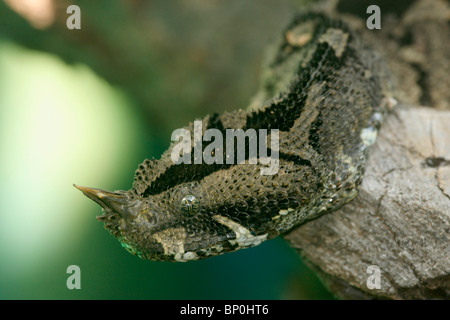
column 400, row 221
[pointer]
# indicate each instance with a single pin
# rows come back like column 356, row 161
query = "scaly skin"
column 327, row 94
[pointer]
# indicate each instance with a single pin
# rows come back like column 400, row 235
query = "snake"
column 326, row 92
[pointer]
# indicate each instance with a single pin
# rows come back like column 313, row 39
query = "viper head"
column 174, row 226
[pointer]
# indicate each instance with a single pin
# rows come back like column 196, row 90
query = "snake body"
column 326, row 92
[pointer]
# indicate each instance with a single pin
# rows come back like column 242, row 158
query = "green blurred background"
column 87, row 106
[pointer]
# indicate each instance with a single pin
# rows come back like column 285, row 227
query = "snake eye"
column 190, row 204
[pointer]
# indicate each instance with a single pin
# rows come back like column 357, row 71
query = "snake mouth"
column 110, row 201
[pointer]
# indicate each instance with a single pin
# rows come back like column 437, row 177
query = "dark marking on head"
column 423, row 82
column 314, row 133
column 181, row 173
column 296, row 159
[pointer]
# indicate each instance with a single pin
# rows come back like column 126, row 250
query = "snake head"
column 176, row 228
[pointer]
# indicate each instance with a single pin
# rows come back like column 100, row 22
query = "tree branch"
column 400, row 221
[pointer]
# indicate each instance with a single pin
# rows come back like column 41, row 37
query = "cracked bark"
column 400, row 222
